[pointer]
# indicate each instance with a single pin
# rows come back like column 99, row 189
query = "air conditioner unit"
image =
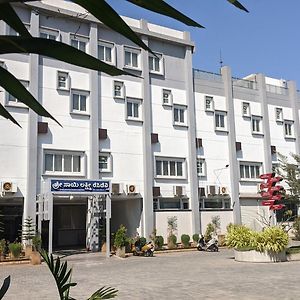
column 116, row 188
column 8, row 187
column 212, row 190
column 179, row 190
column 131, row 189
column 224, row 190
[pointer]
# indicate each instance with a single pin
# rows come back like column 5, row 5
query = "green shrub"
column 185, row 240
column 120, row 238
column 37, row 242
column 210, row 228
column 272, row 239
column 172, row 239
column 159, row 241
column 296, row 228
column 15, row 249
column 275, row 239
column 238, row 237
column 196, row 237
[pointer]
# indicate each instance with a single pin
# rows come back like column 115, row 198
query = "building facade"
column 174, row 142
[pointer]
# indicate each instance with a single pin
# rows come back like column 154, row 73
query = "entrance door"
column 69, row 226
column 11, row 217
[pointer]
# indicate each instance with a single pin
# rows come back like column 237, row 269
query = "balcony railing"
column 276, row 89
column 199, row 74
column 248, row 84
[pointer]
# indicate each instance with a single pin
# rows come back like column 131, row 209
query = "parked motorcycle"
column 146, row 250
column 211, row 245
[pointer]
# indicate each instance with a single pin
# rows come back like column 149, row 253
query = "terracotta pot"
column 28, row 250
column 121, row 252
column 35, row 258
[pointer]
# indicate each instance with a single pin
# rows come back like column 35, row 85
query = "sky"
column 265, row 40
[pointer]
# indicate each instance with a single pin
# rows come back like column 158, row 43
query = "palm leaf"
column 60, row 274
column 4, row 113
column 4, row 287
column 11, row 84
column 104, row 293
column 57, row 50
column 106, row 14
column 238, row 5
column 8, row 15
column 163, row 8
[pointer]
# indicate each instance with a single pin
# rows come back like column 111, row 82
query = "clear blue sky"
column 266, row 40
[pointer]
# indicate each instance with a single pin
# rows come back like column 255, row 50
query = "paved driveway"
column 185, row 275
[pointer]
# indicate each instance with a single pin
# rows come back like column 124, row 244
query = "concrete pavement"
column 183, row 275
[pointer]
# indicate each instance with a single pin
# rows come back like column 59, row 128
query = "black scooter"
column 211, row 245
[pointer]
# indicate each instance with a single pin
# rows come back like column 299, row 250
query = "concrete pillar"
column 293, row 95
column 31, row 174
column 233, row 163
column 192, row 155
column 147, row 152
column 93, row 170
column 266, row 125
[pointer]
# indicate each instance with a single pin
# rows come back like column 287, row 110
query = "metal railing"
column 276, row 89
column 200, row 74
column 244, row 83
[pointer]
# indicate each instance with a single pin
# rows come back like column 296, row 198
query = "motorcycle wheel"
column 215, row 249
column 199, row 248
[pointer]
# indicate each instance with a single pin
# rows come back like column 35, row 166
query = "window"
column 250, row 170
column 278, row 114
column 79, row 102
column 79, row 43
column 133, row 109
column 106, row 52
column 246, row 109
column 63, row 163
column 179, row 115
column 220, row 121
column 209, row 103
column 105, row 162
column 214, row 203
column 12, row 100
column 172, row 168
column 156, row 63
column 256, row 125
column 63, row 82
column 132, row 58
column 119, row 89
column 288, row 129
column 49, row 34
column 201, row 167
column 171, row 204
column 167, row 97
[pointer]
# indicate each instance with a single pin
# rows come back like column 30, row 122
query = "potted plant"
column 172, row 239
column 185, row 240
column 15, row 250
column 120, row 241
column 252, row 246
column 35, row 256
column 195, row 239
column 159, row 242
column 2, row 249
column 28, row 233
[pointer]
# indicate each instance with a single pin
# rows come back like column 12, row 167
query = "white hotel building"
column 173, row 142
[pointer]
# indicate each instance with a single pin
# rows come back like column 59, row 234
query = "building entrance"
column 69, row 226
column 11, row 219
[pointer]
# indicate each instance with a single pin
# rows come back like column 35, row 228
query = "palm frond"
column 4, row 287
column 104, row 293
column 60, row 273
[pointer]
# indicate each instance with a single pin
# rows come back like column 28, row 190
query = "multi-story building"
column 173, row 141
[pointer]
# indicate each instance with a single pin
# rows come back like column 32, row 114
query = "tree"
column 291, row 174
column 25, row 43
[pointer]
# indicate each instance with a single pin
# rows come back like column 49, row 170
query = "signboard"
column 80, row 186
